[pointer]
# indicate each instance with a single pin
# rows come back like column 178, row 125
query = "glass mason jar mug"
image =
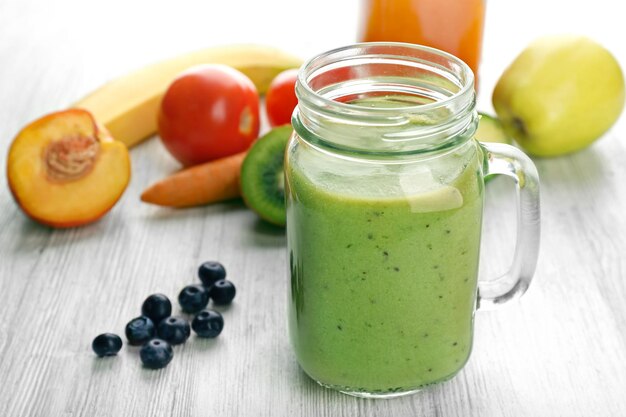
column 384, row 184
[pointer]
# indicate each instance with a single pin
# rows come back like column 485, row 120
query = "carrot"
column 206, row 183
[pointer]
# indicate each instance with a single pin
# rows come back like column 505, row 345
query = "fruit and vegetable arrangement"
column 69, row 168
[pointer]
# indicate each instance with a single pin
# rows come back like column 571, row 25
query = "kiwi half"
column 490, row 129
column 262, row 175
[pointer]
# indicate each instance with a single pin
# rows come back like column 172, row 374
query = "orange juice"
column 454, row 26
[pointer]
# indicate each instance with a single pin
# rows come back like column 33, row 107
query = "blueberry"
column 157, row 307
column 174, row 330
column 106, row 344
column 193, row 298
column 223, row 292
column 209, row 272
column 139, row 330
column 156, row 354
column 208, row 323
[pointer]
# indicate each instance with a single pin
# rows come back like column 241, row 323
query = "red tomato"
column 209, row 112
column 280, row 99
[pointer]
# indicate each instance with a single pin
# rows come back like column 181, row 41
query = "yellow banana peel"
column 128, row 106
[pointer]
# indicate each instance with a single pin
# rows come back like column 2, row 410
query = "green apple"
column 559, row 95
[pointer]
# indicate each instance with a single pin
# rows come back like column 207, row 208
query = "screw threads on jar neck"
column 385, row 99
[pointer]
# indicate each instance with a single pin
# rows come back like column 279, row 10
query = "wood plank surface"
column 559, row 351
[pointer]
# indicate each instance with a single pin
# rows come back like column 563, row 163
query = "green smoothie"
column 383, row 280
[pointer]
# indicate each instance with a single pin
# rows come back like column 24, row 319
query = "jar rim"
column 427, row 99
column 309, row 65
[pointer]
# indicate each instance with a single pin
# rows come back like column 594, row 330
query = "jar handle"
column 507, row 160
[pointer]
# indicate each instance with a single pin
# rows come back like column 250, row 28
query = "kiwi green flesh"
column 490, row 129
column 262, row 175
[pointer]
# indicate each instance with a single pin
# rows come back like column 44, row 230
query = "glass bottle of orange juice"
column 454, row 26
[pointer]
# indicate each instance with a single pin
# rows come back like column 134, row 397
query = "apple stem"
column 518, row 125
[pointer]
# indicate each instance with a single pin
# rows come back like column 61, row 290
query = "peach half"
column 65, row 170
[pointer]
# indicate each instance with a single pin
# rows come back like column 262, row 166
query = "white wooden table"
column 560, row 351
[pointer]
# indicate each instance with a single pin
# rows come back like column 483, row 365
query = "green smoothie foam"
column 383, row 282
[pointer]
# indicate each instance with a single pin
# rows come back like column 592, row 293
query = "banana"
column 128, row 106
